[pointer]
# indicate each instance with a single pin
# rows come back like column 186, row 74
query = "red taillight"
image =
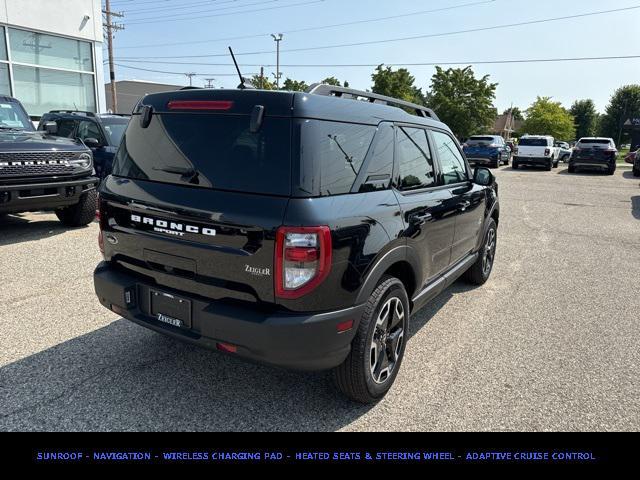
column 302, row 260
column 547, row 152
column 200, row 105
column 227, row 348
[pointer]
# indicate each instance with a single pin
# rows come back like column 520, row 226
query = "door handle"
column 421, row 219
column 464, row 205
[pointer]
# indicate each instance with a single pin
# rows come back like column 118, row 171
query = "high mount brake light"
column 302, row 260
column 202, row 105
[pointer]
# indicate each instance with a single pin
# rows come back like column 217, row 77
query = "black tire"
column 480, row 272
column 355, row 377
column 496, row 164
column 611, row 170
column 636, row 172
column 514, row 165
column 80, row 214
column 572, row 169
column 549, row 167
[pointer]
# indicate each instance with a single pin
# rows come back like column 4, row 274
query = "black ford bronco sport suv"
column 295, row 229
column 39, row 171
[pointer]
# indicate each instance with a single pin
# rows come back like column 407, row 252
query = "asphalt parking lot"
column 550, row 343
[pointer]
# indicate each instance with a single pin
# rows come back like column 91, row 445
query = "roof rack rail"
column 88, row 114
column 343, row 92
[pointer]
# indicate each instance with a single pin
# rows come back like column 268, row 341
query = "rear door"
column 428, row 211
column 196, row 196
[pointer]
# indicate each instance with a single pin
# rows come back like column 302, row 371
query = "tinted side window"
column 452, row 164
column 415, row 162
column 380, row 168
column 334, row 152
column 89, row 130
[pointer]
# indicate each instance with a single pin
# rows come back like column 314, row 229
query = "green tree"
column 624, row 104
column 517, row 113
column 294, row 85
column 586, row 118
column 545, row 117
column 262, row 82
column 398, row 84
column 334, row 81
column 462, row 101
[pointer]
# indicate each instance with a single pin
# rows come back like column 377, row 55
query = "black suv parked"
column 296, row 229
column 594, row 153
column 39, row 171
column 102, row 133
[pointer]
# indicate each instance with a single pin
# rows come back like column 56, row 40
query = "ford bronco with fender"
column 296, row 229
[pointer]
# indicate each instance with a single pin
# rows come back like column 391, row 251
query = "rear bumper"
column 534, row 161
column 301, row 342
column 591, row 163
column 44, row 196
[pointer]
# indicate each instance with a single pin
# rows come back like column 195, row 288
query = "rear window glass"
column 534, row 142
column 478, row 140
column 598, row 141
column 209, row 151
column 331, row 155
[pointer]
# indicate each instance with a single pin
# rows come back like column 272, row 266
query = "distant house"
column 505, row 126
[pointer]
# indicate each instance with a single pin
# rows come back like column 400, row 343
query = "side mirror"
column 484, row 177
column 51, row 128
column 92, row 142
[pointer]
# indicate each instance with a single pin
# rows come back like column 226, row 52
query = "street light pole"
column 277, row 38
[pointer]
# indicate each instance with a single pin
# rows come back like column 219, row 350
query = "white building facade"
column 51, row 54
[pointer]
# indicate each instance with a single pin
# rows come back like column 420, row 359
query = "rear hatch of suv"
column 533, row 148
column 594, row 150
column 198, row 192
column 481, row 147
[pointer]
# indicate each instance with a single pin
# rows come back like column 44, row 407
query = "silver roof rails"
column 343, row 92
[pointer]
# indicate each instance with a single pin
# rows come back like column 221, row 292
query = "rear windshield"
column 479, row 140
column 209, row 151
column 596, row 141
column 533, row 142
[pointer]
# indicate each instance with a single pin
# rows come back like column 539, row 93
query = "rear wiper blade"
column 189, row 174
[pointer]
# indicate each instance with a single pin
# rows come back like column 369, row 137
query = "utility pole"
column 111, row 27
column 277, row 38
column 190, row 77
column 261, row 78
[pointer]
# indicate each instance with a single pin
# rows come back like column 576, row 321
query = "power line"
column 143, row 11
column 300, row 4
column 190, row 14
column 407, row 64
column 400, row 39
column 322, row 27
column 183, row 73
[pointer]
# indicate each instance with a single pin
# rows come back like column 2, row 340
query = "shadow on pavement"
column 17, row 228
column 629, row 174
column 124, row 377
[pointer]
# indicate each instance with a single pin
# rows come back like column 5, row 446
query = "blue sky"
column 151, row 23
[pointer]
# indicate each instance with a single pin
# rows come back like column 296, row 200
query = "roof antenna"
column 242, row 85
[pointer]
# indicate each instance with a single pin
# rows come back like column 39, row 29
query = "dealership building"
column 51, row 54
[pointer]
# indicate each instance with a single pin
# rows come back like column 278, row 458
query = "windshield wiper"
column 15, row 129
column 188, row 174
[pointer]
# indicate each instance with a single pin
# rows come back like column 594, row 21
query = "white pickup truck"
column 536, row 150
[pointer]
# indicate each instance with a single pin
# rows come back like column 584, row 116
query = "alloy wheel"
column 489, row 252
column 387, row 340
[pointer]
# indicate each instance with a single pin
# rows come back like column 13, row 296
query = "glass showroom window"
column 49, row 51
column 41, row 89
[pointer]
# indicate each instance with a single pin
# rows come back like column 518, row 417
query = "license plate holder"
column 170, row 309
